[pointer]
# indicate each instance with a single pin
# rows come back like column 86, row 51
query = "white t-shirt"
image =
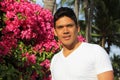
column 84, row 63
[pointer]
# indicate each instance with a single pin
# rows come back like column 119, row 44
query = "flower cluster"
column 26, row 40
column 28, row 22
column 81, row 38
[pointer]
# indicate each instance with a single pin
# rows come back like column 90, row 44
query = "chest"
column 75, row 66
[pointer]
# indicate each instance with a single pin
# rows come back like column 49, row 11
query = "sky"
column 39, row 2
column 114, row 49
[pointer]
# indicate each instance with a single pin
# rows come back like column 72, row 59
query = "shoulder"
column 94, row 49
column 54, row 60
column 92, row 46
column 56, row 56
column 99, row 57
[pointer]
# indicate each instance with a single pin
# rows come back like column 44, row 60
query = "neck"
column 69, row 49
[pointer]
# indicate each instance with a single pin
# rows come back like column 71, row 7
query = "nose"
column 66, row 31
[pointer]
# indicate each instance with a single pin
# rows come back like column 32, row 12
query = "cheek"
column 59, row 32
column 75, row 32
column 58, row 35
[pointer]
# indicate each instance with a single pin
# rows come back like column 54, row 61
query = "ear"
column 55, row 32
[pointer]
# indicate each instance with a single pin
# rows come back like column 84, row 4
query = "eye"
column 59, row 27
column 70, row 25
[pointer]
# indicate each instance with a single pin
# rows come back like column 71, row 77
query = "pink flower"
column 29, row 21
column 8, row 42
column 48, row 78
column 31, row 58
column 45, row 63
column 80, row 38
column 3, row 49
column 27, row 34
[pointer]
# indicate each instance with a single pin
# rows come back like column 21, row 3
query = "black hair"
column 65, row 11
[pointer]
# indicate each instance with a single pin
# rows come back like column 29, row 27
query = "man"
column 77, row 60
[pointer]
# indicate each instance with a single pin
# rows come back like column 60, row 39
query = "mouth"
column 66, row 37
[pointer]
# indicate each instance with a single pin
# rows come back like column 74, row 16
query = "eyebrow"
column 69, row 24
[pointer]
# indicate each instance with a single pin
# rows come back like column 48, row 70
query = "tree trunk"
column 103, row 42
column 108, row 48
column 76, row 8
column 55, row 8
column 33, row 1
column 88, row 7
column 87, row 19
column 49, row 4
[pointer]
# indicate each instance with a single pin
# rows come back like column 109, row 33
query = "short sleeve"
column 102, row 61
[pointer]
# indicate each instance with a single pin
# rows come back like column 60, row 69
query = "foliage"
column 107, row 21
column 26, row 41
column 116, row 66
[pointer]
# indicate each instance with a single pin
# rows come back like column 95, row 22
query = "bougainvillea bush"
column 26, row 41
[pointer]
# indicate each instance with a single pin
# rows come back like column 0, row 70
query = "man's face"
column 66, row 30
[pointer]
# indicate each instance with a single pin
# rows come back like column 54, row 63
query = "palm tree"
column 33, row 1
column 77, row 7
column 62, row 2
column 49, row 4
column 75, row 3
column 87, row 10
column 107, row 22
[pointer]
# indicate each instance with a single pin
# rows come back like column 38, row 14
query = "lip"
column 66, row 37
